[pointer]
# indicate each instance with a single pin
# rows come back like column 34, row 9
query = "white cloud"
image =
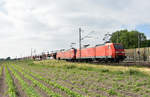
column 53, row 24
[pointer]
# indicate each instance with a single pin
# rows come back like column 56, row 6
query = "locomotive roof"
column 62, row 50
column 99, row 44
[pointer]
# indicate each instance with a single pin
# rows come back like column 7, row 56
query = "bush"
column 30, row 62
column 118, row 72
column 85, row 68
column 104, row 70
column 135, row 72
column 112, row 92
column 70, row 66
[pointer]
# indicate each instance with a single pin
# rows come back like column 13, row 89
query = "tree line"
column 130, row 39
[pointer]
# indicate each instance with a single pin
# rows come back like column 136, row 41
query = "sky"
column 47, row 25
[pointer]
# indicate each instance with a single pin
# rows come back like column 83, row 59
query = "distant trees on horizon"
column 130, row 39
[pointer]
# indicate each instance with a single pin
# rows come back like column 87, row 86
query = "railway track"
column 124, row 63
column 138, row 63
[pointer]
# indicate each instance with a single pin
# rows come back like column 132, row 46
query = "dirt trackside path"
column 3, row 87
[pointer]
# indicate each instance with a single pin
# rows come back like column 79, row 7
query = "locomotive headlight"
column 122, row 52
column 117, row 52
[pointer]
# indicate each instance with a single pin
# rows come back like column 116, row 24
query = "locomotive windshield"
column 118, row 46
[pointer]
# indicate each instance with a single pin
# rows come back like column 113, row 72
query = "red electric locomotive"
column 110, row 52
column 103, row 52
column 66, row 55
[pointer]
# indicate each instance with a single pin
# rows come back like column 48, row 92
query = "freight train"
column 108, row 52
column 113, row 52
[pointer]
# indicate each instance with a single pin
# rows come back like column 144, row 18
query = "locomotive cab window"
column 118, row 46
column 109, row 47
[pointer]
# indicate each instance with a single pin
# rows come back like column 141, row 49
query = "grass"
column 86, row 66
column 112, row 92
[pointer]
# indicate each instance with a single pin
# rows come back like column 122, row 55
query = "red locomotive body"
column 119, row 52
column 66, row 55
column 86, row 53
column 110, row 51
column 104, row 52
column 59, row 55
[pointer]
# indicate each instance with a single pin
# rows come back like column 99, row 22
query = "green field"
column 51, row 78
